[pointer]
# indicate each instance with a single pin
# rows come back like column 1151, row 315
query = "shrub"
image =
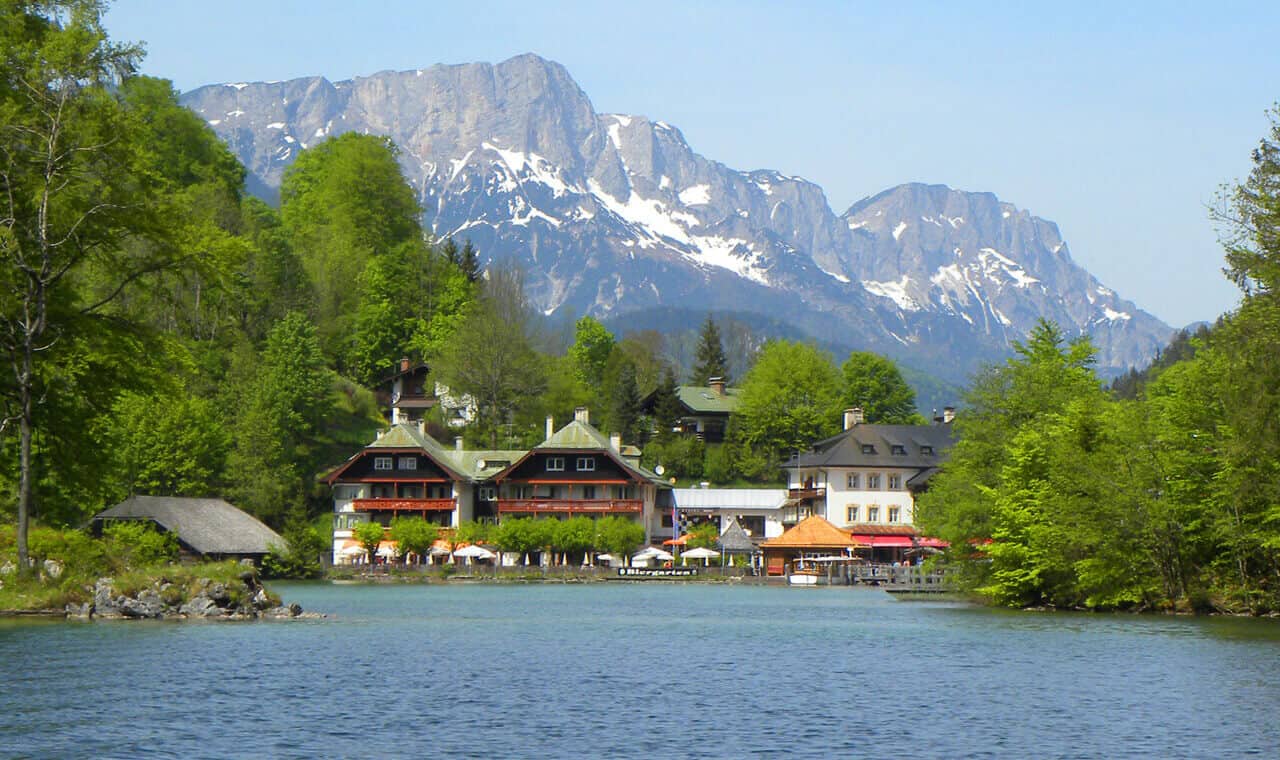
column 139, row 544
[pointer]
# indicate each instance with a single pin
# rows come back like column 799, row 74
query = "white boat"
column 804, row 578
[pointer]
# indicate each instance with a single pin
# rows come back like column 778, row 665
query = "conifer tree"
column 711, row 360
column 469, row 262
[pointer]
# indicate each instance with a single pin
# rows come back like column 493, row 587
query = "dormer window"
column 898, row 450
column 868, row 448
column 408, row 463
column 586, row 464
column 382, row 463
column 555, row 464
column 926, row 450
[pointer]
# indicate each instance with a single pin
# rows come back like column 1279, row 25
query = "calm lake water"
column 613, row 670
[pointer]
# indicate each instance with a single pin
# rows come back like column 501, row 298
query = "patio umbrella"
column 652, row 552
column 474, row 552
column 701, row 553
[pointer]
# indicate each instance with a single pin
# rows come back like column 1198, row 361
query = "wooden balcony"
column 572, row 506
column 807, row 493
column 403, row 505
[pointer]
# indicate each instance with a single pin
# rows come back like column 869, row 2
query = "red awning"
column 889, row 542
column 934, row 543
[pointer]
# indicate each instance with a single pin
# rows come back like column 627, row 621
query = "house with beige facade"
column 866, row 478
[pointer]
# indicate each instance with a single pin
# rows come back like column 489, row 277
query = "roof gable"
column 907, row 446
column 813, row 532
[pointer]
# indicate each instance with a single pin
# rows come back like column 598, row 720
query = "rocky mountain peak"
column 613, row 213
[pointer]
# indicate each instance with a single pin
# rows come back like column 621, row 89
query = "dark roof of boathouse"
column 207, row 526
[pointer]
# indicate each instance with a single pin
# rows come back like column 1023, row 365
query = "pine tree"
column 711, row 360
column 469, row 262
column 449, row 250
column 666, row 406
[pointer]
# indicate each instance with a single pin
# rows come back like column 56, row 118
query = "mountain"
column 612, row 213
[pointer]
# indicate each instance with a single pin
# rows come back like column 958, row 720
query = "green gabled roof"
column 495, row 461
column 701, row 398
column 576, row 435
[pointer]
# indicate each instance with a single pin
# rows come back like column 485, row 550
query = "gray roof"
column 848, row 449
column 735, row 540
column 208, row 526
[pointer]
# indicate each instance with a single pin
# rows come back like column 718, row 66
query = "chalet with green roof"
column 705, row 409
column 577, row 470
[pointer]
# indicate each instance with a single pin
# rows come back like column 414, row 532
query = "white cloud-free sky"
column 1118, row 121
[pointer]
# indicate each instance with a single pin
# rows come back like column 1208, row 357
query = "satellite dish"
column 480, row 464
column 659, row 469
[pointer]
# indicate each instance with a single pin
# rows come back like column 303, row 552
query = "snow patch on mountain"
column 895, row 291
column 698, row 195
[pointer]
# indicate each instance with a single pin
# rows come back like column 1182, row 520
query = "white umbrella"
column 438, row 551
column 700, row 553
column 605, row 557
column 474, row 552
column 351, row 551
column 387, row 550
column 652, row 552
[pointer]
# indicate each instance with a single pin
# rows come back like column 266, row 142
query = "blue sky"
column 1117, row 121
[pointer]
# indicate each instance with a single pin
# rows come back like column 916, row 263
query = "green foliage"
column 789, row 399
column 680, row 457
column 590, row 352
column 618, row 535
column 490, row 357
column 622, row 396
column 874, row 383
column 703, row 536
column 667, row 409
column 414, row 535
column 576, row 534
column 368, row 535
column 299, row 558
column 344, row 202
column 710, row 360
column 473, row 532
column 140, row 544
column 168, row 445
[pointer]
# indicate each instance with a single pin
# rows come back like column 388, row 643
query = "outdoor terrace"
column 584, row 506
column 403, row 505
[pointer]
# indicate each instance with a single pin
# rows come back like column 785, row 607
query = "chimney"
column 948, row 414
column 717, row 385
column 380, row 432
column 852, row 417
column 404, row 364
column 615, row 441
column 551, row 426
column 457, row 443
column 422, row 424
column 581, row 414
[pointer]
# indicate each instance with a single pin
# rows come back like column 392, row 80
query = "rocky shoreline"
column 163, row 600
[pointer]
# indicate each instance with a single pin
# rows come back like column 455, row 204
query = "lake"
column 611, row 670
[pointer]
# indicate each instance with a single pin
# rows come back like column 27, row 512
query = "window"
column 488, row 493
column 851, row 514
column 926, row 450
column 586, row 464
column 854, row 480
column 523, row 492
column 868, row 448
column 895, row 514
column 588, row 492
column 408, row 463
column 873, row 514
column 555, row 464
column 898, row 450
column 382, row 463
column 873, row 482
column 895, row 482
